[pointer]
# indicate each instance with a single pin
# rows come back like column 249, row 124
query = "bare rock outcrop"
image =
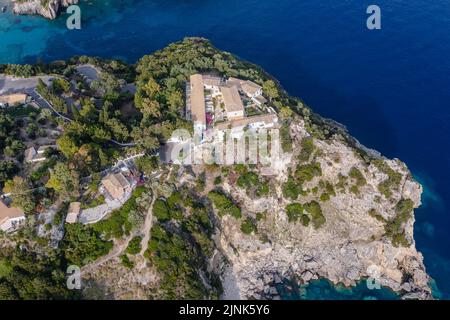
column 48, row 8
column 351, row 246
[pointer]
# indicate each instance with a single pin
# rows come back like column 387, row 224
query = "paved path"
column 44, row 104
column 128, row 144
column 10, row 84
column 148, row 225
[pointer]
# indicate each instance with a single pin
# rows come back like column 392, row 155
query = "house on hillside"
column 197, row 104
column 9, row 100
column 233, row 102
column 249, row 88
column 116, row 185
column 32, row 155
column 73, row 212
column 237, row 127
column 10, row 218
column 212, row 83
column 211, row 100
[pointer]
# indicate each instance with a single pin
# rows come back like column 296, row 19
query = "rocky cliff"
column 328, row 208
column 355, row 243
column 46, row 8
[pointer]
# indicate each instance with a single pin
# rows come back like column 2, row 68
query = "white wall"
column 235, row 114
column 8, row 224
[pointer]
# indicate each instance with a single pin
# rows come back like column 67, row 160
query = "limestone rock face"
column 48, row 9
column 351, row 246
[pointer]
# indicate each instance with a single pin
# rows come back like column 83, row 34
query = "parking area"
column 88, row 71
column 10, row 84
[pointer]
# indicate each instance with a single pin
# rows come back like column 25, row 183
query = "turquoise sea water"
column 325, row 290
column 390, row 87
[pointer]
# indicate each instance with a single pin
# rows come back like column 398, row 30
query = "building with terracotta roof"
column 233, row 102
column 205, row 92
column 231, row 81
column 10, row 218
column 265, row 121
column 251, row 89
column 13, row 99
column 259, row 100
column 211, row 82
column 32, row 156
column 116, row 185
column 30, row 153
column 73, row 212
column 197, row 103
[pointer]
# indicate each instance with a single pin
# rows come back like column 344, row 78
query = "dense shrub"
column 291, row 189
column 224, row 205
column 286, row 140
column 294, row 211
column 395, row 227
column 177, row 261
column 307, row 172
column 392, row 183
column 83, row 244
column 315, row 211
column 118, row 224
column 253, row 184
column 307, row 148
column 248, row 226
column 134, row 246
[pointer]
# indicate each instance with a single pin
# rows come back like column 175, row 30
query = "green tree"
column 60, row 86
column 316, row 214
column 64, row 181
column 224, row 205
column 7, row 170
column 285, row 113
column 82, row 244
column 270, row 89
column 248, row 226
column 67, row 146
column 21, row 193
column 175, row 101
column 134, row 246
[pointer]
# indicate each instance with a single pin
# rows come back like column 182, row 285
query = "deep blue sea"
column 390, row 87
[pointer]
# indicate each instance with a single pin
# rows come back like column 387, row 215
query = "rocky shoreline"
column 50, row 10
column 351, row 247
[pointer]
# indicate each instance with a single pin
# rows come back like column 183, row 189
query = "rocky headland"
column 327, row 208
column 46, row 8
column 354, row 243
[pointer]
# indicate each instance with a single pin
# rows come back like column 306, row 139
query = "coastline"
column 421, row 208
column 316, row 254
